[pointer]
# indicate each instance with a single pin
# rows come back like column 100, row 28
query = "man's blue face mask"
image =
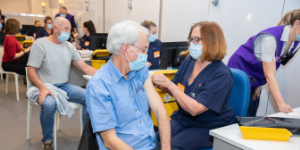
column 64, row 36
column 139, row 63
column 62, row 15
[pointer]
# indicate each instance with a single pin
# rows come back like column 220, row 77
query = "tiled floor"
column 13, row 123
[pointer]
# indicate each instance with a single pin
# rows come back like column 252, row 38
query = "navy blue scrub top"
column 42, row 33
column 85, row 42
column 154, row 47
column 211, row 88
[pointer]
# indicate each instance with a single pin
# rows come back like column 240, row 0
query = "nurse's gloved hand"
column 161, row 80
column 285, row 108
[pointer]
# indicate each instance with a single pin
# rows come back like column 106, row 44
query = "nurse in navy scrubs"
column 262, row 55
column 154, row 46
column 87, row 29
column 201, row 88
column 47, row 30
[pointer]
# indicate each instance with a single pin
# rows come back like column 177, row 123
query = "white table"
column 230, row 138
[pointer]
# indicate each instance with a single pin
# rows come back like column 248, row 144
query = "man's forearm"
column 164, row 130
column 90, row 70
column 112, row 141
column 34, row 78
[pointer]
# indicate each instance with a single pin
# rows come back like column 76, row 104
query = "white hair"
column 121, row 33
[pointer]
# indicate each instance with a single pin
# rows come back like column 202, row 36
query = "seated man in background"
column 31, row 31
column 119, row 94
column 49, row 62
column 63, row 12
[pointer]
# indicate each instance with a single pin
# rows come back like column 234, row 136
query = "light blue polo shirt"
column 114, row 102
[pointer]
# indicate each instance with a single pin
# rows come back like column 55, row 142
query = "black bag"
column 88, row 139
column 291, row 124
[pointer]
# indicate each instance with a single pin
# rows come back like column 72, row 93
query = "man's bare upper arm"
column 154, row 100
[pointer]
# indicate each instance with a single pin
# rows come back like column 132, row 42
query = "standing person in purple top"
column 262, row 55
column 64, row 13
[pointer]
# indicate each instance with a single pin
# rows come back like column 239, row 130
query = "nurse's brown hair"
column 295, row 16
column 213, row 41
column 12, row 26
column 286, row 19
column 148, row 24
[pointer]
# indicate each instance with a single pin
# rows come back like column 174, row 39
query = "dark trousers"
column 16, row 67
column 183, row 138
column 253, row 106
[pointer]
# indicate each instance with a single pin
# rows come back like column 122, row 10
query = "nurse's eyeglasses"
column 194, row 40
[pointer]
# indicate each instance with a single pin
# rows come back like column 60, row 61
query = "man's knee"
column 49, row 103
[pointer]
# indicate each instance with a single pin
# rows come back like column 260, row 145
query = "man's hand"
column 43, row 93
column 285, row 108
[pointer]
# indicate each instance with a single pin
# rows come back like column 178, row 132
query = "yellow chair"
column 20, row 38
column 168, row 100
column 26, row 44
column 100, row 58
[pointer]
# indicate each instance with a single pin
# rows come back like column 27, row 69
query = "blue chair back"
column 240, row 93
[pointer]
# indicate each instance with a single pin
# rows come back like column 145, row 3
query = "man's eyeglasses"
column 143, row 51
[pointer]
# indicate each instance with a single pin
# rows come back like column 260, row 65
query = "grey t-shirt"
column 52, row 60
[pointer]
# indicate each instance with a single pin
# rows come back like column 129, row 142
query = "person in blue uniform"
column 87, row 29
column 31, row 31
column 154, row 46
column 47, row 30
column 201, row 87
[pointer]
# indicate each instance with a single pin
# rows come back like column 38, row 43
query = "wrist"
column 170, row 86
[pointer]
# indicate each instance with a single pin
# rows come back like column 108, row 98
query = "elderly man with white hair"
column 49, row 62
column 120, row 93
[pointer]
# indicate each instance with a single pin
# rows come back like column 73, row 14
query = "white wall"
column 179, row 15
column 242, row 19
column 117, row 11
column 15, row 6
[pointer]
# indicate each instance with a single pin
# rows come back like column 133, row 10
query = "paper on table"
column 293, row 115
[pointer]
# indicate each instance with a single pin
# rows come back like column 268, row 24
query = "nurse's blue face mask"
column 195, row 50
column 139, row 63
column 298, row 36
column 49, row 26
column 152, row 38
column 64, row 36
